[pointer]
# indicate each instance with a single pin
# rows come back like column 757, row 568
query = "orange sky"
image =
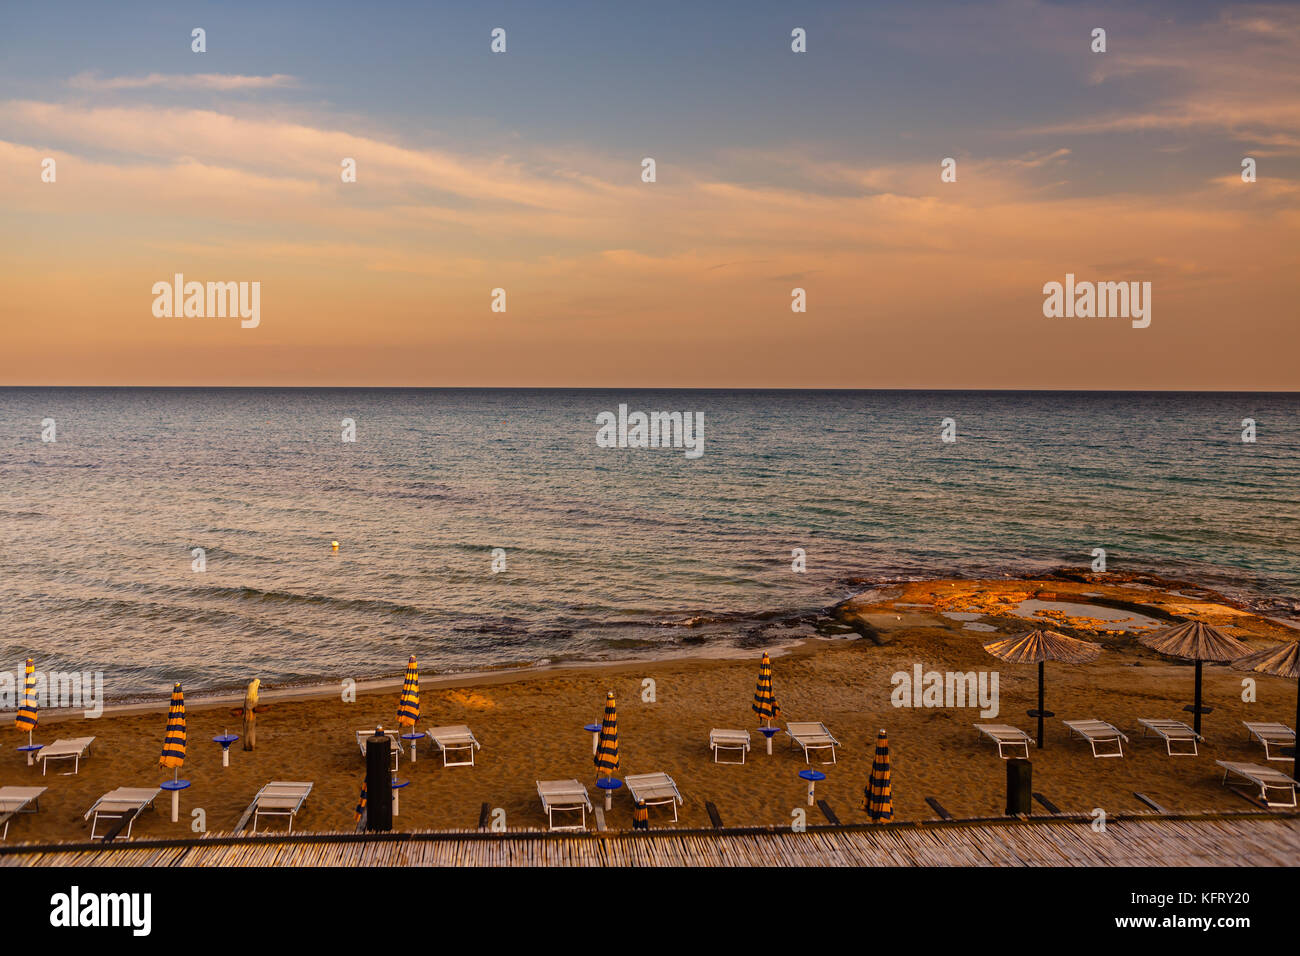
column 687, row 281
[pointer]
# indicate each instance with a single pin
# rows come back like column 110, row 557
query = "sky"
column 775, row 171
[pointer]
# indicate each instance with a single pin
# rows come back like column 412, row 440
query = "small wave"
column 321, row 600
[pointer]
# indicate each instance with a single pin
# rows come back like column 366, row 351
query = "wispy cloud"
column 216, row 82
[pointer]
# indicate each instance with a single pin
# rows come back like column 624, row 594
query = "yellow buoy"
column 334, row 545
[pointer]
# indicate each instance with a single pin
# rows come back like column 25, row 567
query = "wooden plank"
column 120, row 825
column 248, row 815
column 938, row 808
column 828, row 812
column 599, row 814
column 1051, row 807
column 1149, row 802
column 714, row 817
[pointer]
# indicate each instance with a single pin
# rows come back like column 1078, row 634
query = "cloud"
column 1235, row 74
column 217, row 82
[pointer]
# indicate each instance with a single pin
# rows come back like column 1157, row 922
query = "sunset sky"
column 522, row 171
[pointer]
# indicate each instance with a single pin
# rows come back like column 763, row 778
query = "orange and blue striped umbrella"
column 408, row 705
column 173, row 751
column 877, row 798
column 765, row 704
column 640, row 816
column 607, row 749
column 26, row 717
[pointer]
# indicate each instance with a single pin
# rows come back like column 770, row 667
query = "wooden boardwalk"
column 1137, row 840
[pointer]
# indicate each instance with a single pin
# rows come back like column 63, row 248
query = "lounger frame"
column 1277, row 735
column 1004, row 735
column 564, row 795
column 283, row 798
column 454, row 738
column 654, row 790
column 74, row 749
column 1099, row 732
column 812, row 735
column 720, row 740
column 1171, row 732
column 16, row 800
column 116, row 804
column 1266, row 778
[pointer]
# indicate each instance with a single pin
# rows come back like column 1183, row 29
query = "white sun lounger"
column 720, row 740
column 564, row 795
column 116, row 804
column 280, row 798
column 1172, row 732
column 1266, row 778
column 812, row 735
column 16, row 800
column 1004, row 735
column 654, row 790
column 393, row 735
column 455, row 737
column 74, row 749
column 1271, row 735
column 1099, row 732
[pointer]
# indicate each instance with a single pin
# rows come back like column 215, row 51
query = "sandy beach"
column 530, row 725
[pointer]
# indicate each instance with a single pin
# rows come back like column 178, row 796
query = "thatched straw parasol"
column 1280, row 661
column 1037, row 647
column 1194, row 641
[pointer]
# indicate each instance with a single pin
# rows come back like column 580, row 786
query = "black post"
column 1020, row 788
column 1296, row 726
column 1196, row 711
column 1041, row 710
column 1295, row 748
column 379, row 782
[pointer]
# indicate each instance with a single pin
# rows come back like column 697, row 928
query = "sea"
column 186, row 534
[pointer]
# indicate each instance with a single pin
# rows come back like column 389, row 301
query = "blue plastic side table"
column 594, row 730
column 30, row 750
column 609, row 785
column 397, row 789
column 413, row 737
column 769, row 733
column 175, row 786
column 225, row 740
column 812, row 776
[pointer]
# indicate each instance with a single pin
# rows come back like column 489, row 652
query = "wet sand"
column 530, row 725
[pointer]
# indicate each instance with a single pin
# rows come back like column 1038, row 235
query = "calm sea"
column 608, row 552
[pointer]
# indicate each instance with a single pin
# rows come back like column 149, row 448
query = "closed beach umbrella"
column 607, row 749
column 1038, row 647
column 26, row 717
column 877, row 796
column 1194, row 641
column 765, row 704
column 361, row 804
column 173, row 749
column 408, row 705
column 1283, row 661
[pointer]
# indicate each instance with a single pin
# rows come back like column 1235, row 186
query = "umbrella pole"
column 1196, row 705
column 1041, row 710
